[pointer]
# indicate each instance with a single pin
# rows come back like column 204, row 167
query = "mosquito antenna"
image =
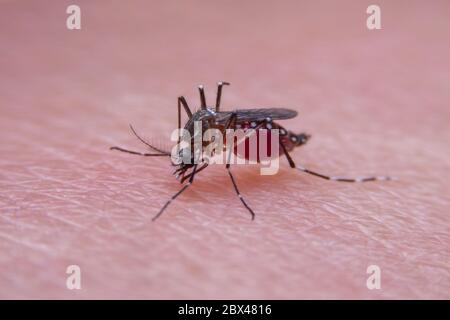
column 148, row 144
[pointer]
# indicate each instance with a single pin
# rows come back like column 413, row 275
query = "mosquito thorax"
column 211, row 111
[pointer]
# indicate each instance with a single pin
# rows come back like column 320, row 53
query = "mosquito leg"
column 182, row 101
column 231, row 119
column 239, row 194
column 196, row 172
column 202, row 96
column 219, row 93
column 288, row 156
column 140, row 153
column 230, row 124
column 341, row 179
column 176, row 194
column 332, row 178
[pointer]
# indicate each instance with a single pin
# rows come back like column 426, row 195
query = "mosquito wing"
column 246, row 115
column 262, row 114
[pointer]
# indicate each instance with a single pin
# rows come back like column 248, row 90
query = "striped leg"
column 341, row 179
column 176, row 194
column 332, row 178
column 232, row 124
column 239, row 194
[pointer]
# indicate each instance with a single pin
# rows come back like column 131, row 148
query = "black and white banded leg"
column 331, row 178
column 194, row 170
column 239, row 194
column 343, row 179
column 232, row 124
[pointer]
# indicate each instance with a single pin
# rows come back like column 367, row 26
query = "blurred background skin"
column 375, row 102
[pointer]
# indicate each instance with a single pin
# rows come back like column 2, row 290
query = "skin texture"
column 375, row 102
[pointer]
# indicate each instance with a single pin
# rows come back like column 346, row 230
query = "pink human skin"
column 375, row 102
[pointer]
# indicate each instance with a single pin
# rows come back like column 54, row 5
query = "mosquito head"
column 181, row 158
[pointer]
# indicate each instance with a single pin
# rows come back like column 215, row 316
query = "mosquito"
column 256, row 119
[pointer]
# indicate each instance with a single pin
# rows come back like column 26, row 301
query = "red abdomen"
column 262, row 144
